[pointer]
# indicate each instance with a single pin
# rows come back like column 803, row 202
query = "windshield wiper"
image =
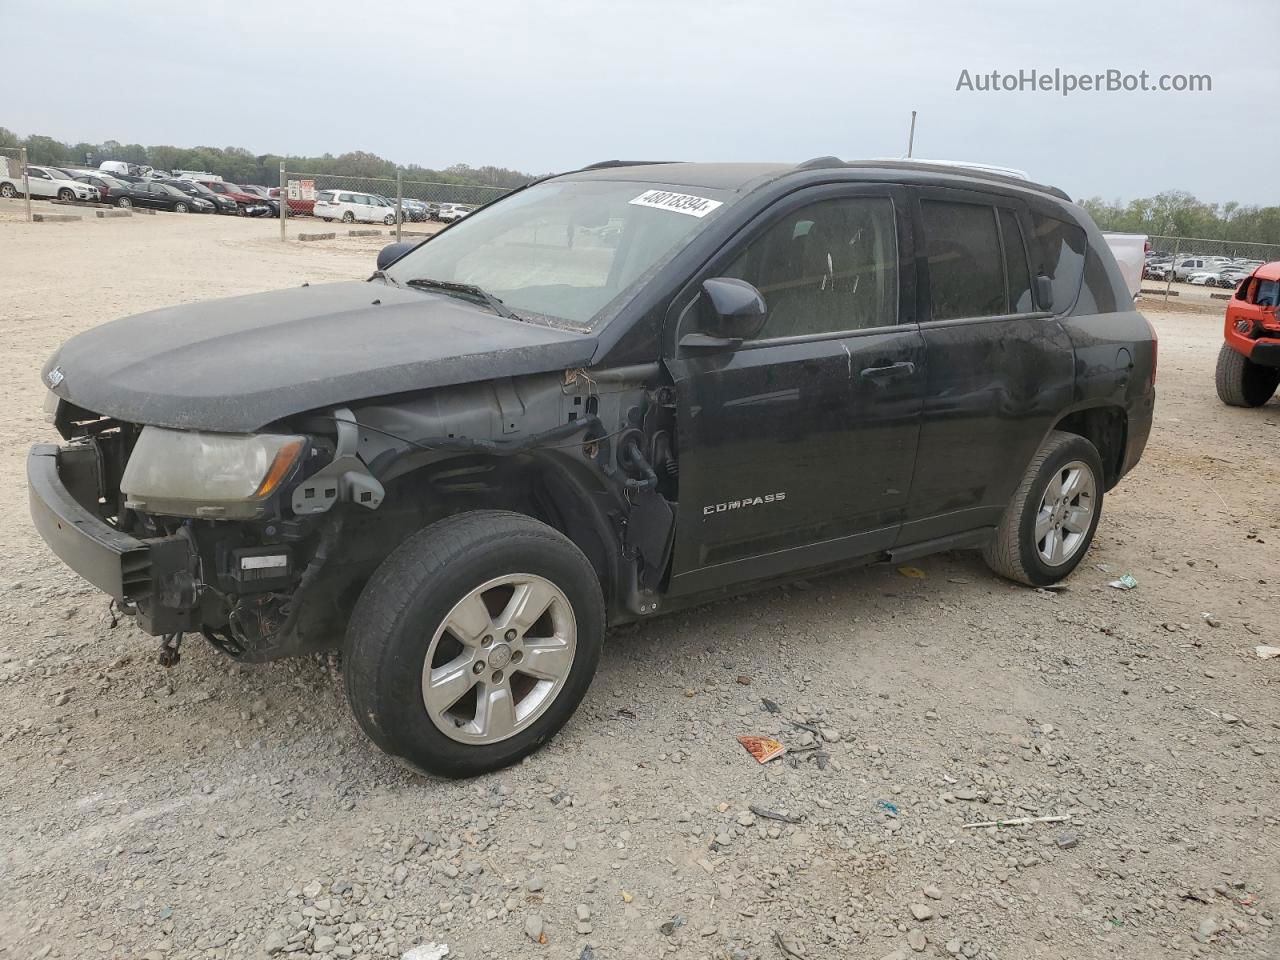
column 469, row 290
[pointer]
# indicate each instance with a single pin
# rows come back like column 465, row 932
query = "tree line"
column 240, row 166
column 1176, row 213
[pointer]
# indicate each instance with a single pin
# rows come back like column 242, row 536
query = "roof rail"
column 606, row 164
column 978, row 171
column 820, row 163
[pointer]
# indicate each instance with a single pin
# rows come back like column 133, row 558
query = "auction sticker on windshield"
column 677, row 202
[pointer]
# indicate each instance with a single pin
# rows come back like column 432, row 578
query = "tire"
column 8, row 191
column 348, row 217
column 241, row 211
column 327, row 219
column 1014, row 551
column 403, row 616
column 180, row 207
column 389, row 220
column 1243, row 383
column 124, row 203
column 66, row 194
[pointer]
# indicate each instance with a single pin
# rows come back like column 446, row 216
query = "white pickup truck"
column 45, row 182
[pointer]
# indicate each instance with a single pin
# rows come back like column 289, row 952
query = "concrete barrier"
column 365, row 233
column 1157, row 293
column 113, row 213
column 1220, row 296
column 53, row 218
column 137, row 209
column 317, row 236
column 78, row 203
column 410, row 233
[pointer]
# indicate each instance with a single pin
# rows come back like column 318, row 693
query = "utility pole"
column 284, row 203
column 911, row 137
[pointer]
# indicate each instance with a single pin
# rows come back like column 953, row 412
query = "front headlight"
column 186, row 473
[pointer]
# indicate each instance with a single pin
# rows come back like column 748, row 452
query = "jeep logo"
column 714, row 508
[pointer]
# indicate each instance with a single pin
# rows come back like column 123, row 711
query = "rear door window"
column 966, row 269
column 1057, row 252
column 1017, row 274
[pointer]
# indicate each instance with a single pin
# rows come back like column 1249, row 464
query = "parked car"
column 160, row 196
column 298, row 206
column 108, row 187
column 415, row 210
column 48, row 183
column 352, row 207
column 1185, row 267
column 764, row 386
column 450, row 212
column 221, row 204
column 247, row 204
column 264, row 195
column 1248, row 369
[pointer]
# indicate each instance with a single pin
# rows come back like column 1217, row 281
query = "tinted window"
column 1057, row 252
column 826, row 267
column 325, row 196
column 1015, row 264
column 966, row 273
column 1097, row 295
column 347, row 198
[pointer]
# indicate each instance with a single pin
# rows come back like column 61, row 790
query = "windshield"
column 566, row 250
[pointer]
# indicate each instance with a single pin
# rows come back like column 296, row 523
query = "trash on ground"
column 771, row 814
column 887, row 806
column 1266, row 652
column 672, row 925
column 763, row 749
column 915, row 573
column 427, row 951
column 1018, row 821
column 1127, row 582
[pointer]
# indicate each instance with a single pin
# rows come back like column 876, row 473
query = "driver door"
column 796, row 447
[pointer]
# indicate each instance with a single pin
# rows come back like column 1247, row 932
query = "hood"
column 238, row 364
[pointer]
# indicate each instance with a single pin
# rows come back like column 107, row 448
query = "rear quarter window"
column 1058, row 252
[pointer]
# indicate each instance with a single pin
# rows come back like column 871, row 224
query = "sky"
column 550, row 86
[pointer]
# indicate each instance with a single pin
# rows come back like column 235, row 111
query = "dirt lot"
column 215, row 811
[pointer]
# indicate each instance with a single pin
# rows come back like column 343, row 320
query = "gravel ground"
column 214, row 811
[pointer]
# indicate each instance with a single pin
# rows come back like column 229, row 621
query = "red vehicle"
column 1249, row 362
column 297, row 207
column 247, row 204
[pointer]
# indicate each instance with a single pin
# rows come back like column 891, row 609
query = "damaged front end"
column 262, row 542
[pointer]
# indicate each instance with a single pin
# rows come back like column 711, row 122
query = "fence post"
column 26, row 183
column 1168, row 279
column 399, row 201
column 284, row 201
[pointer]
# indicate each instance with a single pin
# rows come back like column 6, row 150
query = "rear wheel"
column 1243, row 383
column 8, row 191
column 1049, row 524
column 473, row 643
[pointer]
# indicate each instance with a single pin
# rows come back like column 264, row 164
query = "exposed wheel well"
column 1104, row 427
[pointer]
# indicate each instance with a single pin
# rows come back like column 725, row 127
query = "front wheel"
column 474, row 642
column 180, row 207
column 1048, row 526
column 1243, row 383
column 348, row 217
column 389, row 219
column 66, row 194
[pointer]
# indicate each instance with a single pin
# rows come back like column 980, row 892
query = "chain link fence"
column 1178, row 259
column 13, row 177
column 381, row 201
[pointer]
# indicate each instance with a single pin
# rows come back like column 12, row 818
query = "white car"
column 351, row 207
column 1187, row 266
column 45, row 182
column 450, row 212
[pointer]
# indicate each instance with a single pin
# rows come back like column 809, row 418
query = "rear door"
column 796, row 447
column 1000, row 369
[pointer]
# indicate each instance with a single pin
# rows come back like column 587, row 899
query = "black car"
column 160, row 196
column 108, row 187
column 264, row 194
column 619, row 392
column 220, row 204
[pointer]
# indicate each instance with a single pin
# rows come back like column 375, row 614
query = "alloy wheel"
column 500, row 659
column 1066, row 513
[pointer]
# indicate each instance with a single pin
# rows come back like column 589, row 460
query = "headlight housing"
column 187, row 473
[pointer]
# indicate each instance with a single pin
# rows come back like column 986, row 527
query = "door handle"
column 892, row 371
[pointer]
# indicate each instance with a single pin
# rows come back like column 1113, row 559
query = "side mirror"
column 734, row 311
column 1044, row 291
column 393, row 252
